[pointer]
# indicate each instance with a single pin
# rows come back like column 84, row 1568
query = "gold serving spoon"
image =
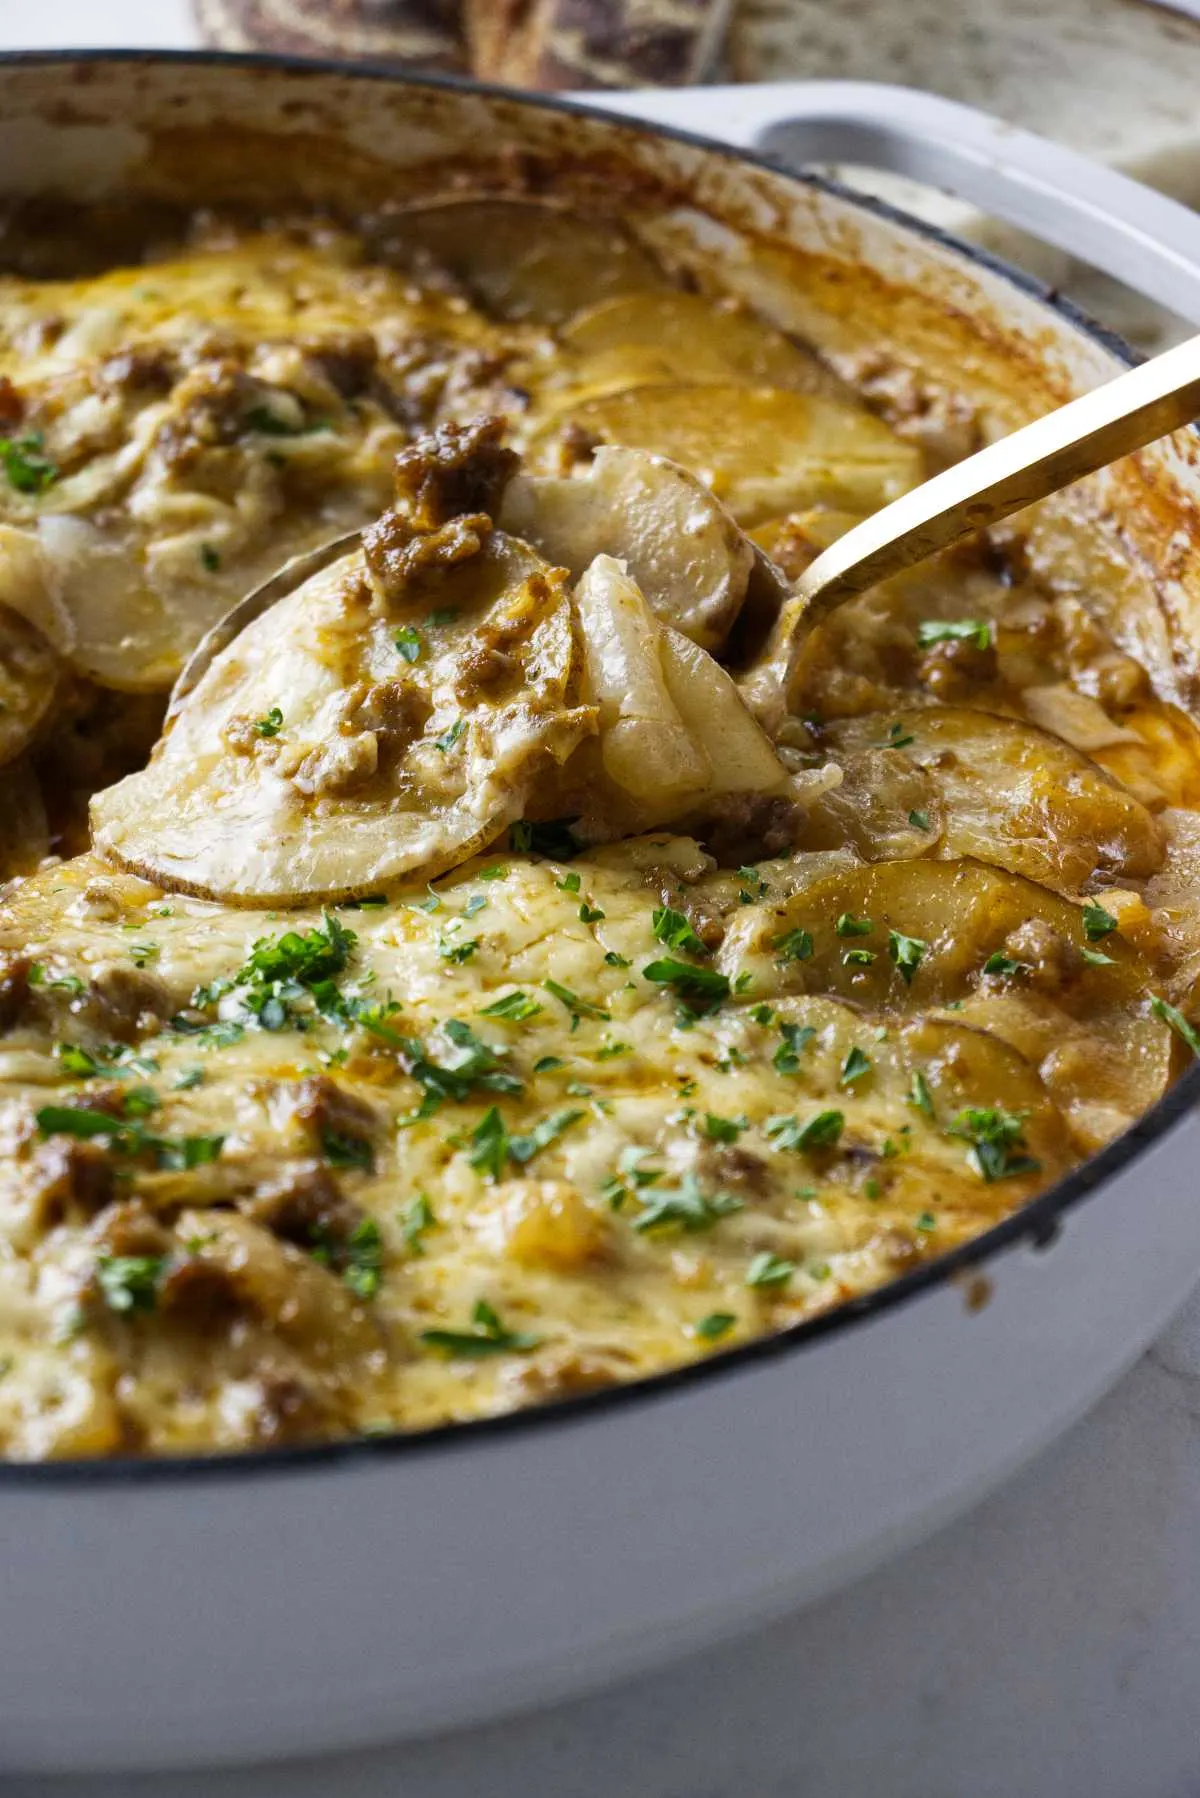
column 1040, row 458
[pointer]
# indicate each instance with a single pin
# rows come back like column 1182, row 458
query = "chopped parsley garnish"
column 849, row 925
column 684, row 1207
column 610, row 1051
column 488, row 1154
column 470, row 1064
column 514, row 1007
column 475, row 904
column 1171, row 1015
column 457, row 952
column 409, row 643
column 305, row 956
column 675, row 930
column 487, row 1336
column 699, row 990
column 714, row 1326
column 570, row 883
column 978, row 631
column 442, row 616
column 753, row 885
column 578, row 1008
column 996, row 1140
column 854, row 1067
column 129, row 1283
column 189, row 1078
column 450, row 737
column 347, row 1151
column 897, row 738
column 141, row 953
column 919, row 1095
column 416, row 1218
column 551, row 839
column 821, row 1131
column 613, row 960
column 126, row 1136
column 858, row 958
column 269, row 424
column 1004, row 965
column 769, row 1270
column 77, row 1061
column 360, row 1262
column 1097, row 923
column 919, row 820
column 26, row 466
column 590, row 914
column 209, row 559
column 926, row 1222
column 62, row 983
column 1096, row 958
column 548, row 1063
column 523, row 1148
column 719, row 1129
column 786, row 1059
column 271, row 725
column 793, row 945
column 763, row 1014
column 906, row 952
column 497, row 871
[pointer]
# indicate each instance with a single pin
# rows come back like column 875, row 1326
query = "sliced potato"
column 762, row 450
column 529, row 259
column 643, row 338
column 24, row 832
column 678, row 543
column 315, row 760
column 962, row 1067
column 740, row 754
column 30, row 683
column 1087, row 1027
column 1014, row 796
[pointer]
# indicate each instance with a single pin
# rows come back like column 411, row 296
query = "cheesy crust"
column 612, row 1094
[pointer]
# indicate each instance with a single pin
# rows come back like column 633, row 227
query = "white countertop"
column 1049, row 1643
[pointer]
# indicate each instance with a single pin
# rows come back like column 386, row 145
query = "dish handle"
column 1104, row 218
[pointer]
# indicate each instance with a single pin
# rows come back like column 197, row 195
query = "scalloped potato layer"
column 784, row 960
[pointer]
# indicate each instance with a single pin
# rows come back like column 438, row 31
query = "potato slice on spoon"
column 383, row 722
column 679, row 544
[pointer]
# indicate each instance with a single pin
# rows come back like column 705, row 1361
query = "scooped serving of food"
column 514, row 964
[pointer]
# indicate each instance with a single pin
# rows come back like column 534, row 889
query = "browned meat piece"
column 70, row 1179
column 454, row 470
column 394, row 710
column 124, row 1003
column 210, row 406
column 12, row 406
column 14, row 988
column 750, row 827
column 347, row 361
column 1054, row 962
column 398, row 553
column 732, row 1165
column 291, row 1410
column 303, row 1203
column 128, row 1229
column 564, row 1373
column 146, row 370
column 487, row 664
column 326, row 1109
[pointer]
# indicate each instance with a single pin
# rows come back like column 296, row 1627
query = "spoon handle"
column 1041, row 458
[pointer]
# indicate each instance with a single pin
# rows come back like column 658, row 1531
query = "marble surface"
column 1049, row 1643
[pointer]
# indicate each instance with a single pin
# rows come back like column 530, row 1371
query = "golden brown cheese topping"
column 516, row 971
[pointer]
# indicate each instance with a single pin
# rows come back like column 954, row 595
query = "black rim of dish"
column 1036, row 1224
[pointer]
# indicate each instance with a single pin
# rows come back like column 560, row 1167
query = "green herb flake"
column 210, row 561
column 570, row 883
column 769, row 1270
column 613, row 960
column 548, row 1064
column 409, row 643
column 1096, row 958
column 714, row 1326
column 271, row 725
column 907, row 953
column 854, row 1067
column 25, row 464
column 578, row 1008
column 187, row 1079
column 796, row 1037
column 821, row 1131
column 590, row 914
column 719, row 1129
column 897, row 738
column 488, row 1154
column 1183, row 1029
column 416, row 1220
column 793, row 945
column 857, row 958
column 919, row 820
column 457, row 953
column 61, row 983
column 996, row 1140
column 450, row 737
column 552, row 839
column 978, row 631
column 684, row 1207
column 675, row 930
column 1004, row 965
column 347, row 1151
column 699, row 990
column 1097, row 923
column 487, row 1336
column 522, row 1149
column 514, row 1007
column 129, row 1283
column 919, row 1096
column 849, row 925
